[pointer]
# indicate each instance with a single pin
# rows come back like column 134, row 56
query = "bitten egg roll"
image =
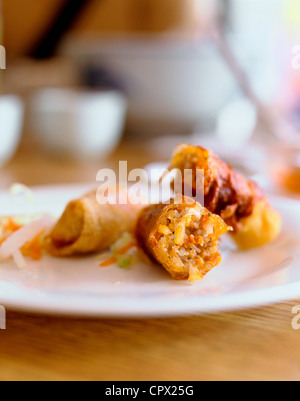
column 87, row 226
column 183, row 237
column 240, row 202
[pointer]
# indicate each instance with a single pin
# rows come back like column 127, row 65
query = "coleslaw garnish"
column 19, row 260
column 124, row 252
column 108, row 262
column 21, row 189
column 18, row 241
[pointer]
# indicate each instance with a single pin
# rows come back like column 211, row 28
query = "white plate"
column 79, row 287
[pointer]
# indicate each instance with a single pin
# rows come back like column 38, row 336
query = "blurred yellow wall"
column 25, row 20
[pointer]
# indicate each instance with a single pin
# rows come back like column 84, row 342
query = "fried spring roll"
column 239, row 201
column 87, row 226
column 183, row 237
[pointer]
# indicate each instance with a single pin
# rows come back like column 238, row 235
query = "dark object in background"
column 98, row 77
column 64, row 19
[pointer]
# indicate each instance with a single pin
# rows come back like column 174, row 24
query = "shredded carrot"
column 3, row 239
column 127, row 248
column 12, row 226
column 109, row 262
column 33, row 248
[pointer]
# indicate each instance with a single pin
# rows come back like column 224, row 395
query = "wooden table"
column 248, row 345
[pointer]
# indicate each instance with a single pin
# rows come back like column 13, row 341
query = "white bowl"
column 11, row 122
column 76, row 123
column 173, row 84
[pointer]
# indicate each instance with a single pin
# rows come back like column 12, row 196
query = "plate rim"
column 259, row 298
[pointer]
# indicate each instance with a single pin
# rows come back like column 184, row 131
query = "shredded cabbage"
column 20, row 189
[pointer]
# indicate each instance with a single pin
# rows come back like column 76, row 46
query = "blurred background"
column 90, row 82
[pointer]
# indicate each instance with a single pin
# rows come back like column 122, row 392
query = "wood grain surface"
column 251, row 345
column 258, row 344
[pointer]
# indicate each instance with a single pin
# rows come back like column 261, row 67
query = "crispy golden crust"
column 87, row 226
column 226, row 192
column 231, row 196
column 148, row 235
column 262, row 227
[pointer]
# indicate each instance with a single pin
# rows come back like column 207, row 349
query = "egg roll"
column 183, row 237
column 87, row 226
column 239, row 201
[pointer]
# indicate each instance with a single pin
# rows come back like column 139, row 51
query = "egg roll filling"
column 183, row 237
column 189, row 240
